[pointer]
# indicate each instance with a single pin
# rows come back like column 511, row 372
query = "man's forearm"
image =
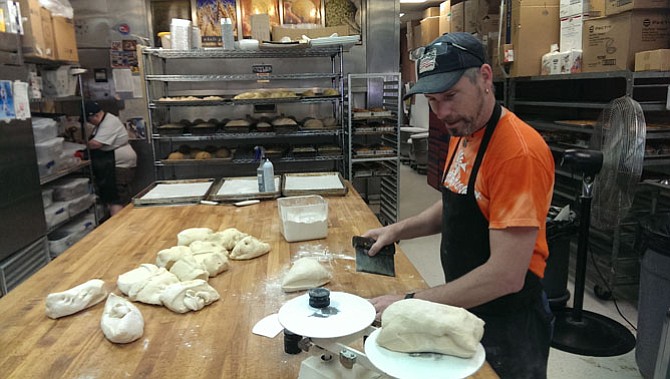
column 426, row 223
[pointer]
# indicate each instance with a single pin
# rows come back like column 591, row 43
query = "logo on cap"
column 427, row 62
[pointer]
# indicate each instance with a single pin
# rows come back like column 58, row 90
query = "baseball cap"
column 444, row 60
column 91, row 108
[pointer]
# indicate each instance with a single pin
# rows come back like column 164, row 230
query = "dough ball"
column 176, row 156
column 222, row 153
column 85, row 295
column 121, row 321
column 130, row 278
column 331, row 92
column 206, row 247
column 248, row 248
column 203, row 155
column 228, row 238
column 187, row 236
column 419, row 326
column 166, row 258
column 305, row 273
column 187, row 296
column 215, row 263
column 188, row 268
column 149, row 291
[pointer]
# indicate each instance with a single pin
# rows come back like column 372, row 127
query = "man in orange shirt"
column 496, row 191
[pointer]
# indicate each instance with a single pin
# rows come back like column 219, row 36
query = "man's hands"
column 382, row 236
column 382, row 302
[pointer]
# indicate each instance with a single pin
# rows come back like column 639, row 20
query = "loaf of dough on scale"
column 419, row 326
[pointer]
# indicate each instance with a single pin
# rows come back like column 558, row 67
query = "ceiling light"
column 412, row 1
column 402, row 14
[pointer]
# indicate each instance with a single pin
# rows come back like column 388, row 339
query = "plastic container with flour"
column 303, row 218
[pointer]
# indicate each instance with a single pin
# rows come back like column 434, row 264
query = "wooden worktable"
column 215, row 342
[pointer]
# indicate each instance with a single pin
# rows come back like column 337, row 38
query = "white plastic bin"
column 47, row 197
column 79, row 227
column 79, row 204
column 59, row 241
column 49, row 150
column 56, row 213
column 44, row 129
column 46, row 167
column 303, row 218
column 70, row 188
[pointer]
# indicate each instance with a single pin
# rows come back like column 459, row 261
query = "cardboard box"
column 653, row 60
column 617, row 6
column 417, row 36
column 610, row 43
column 64, row 39
column 590, row 8
column 488, row 25
column 295, row 34
column 409, row 33
column 535, row 27
column 37, row 40
column 571, row 32
column 444, row 24
column 458, row 17
column 431, row 12
column 445, row 8
column 474, row 12
column 430, row 29
column 260, row 27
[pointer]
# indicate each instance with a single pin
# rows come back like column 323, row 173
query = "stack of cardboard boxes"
column 46, row 36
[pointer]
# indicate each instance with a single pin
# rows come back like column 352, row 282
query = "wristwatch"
column 409, row 295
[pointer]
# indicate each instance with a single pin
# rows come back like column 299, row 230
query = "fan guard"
column 620, row 134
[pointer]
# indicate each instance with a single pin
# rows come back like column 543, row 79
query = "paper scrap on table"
column 268, row 326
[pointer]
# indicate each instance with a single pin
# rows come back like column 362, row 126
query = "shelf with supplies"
column 373, row 107
column 566, row 110
column 209, row 109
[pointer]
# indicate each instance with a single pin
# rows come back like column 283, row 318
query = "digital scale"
column 325, row 323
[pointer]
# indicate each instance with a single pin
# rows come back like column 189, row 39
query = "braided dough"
column 248, row 248
column 305, row 273
column 228, row 238
column 166, row 258
column 127, row 280
column 188, row 296
column 121, row 321
column 419, row 326
column 148, row 291
column 187, row 236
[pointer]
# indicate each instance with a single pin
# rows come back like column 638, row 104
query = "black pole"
column 582, row 249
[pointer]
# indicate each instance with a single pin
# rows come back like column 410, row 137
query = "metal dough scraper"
column 382, row 263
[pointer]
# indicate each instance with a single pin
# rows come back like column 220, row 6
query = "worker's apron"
column 518, row 326
column 104, row 171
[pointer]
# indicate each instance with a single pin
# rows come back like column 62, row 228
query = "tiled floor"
column 416, row 195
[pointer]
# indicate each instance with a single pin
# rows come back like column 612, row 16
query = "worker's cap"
column 442, row 62
column 91, row 108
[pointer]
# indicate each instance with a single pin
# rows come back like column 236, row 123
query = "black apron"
column 465, row 246
column 104, row 171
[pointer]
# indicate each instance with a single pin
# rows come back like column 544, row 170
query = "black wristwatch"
column 409, row 295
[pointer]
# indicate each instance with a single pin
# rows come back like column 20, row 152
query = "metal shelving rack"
column 161, row 82
column 544, row 99
column 375, row 174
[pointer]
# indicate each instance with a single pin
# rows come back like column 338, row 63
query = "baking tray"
column 248, row 189
column 312, row 183
column 171, row 192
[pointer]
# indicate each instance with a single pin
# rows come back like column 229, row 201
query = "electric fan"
column 617, row 152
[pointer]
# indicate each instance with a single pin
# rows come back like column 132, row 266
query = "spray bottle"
column 258, row 154
column 268, row 176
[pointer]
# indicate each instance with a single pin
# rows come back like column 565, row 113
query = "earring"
column 487, row 90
